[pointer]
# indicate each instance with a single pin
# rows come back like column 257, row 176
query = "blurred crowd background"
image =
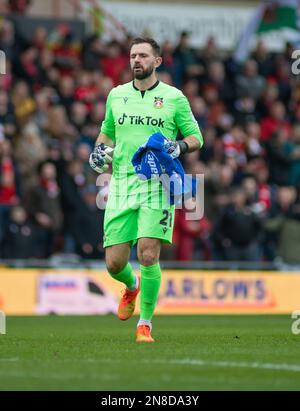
column 52, row 103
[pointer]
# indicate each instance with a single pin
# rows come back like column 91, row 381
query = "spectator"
column 293, row 151
column 258, row 192
column 275, row 121
column 27, row 66
column 58, row 126
column 218, row 182
column 98, row 112
column 250, row 187
column 81, row 214
column 71, row 182
column 8, row 40
column 48, row 74
column 42, row 100
column 199, row 110
column 235, row 145
column 30, row 151
column 210, row 51
column 9, row 182
column 167, row 66
column 244, row 110
column 93, row 51
column 281, row 77
column 83, row 152
column 20, row 236
column 191, row 89
column 265, row 189
column 250, row 83
column 86, row 90
column 216, row 77
column 39, row 38
column 24, row 104
column 278, row 158
column 216, row 107
column 66, row 90
column 65, row 49
column 237, row 230
column 91, row 233
column 7, row 116
column 253, row 142
column 265, row 102
column 191, row 236
column 45, row 209
column 78, row 115
column 185, row 62
column 114, row 62
column 283, row 227
column 209, row 152
column 263, row 59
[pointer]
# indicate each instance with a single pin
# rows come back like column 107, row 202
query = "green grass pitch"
column 190, row 353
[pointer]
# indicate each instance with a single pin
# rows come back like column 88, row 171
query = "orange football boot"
column 143, row 334
column 127, row 303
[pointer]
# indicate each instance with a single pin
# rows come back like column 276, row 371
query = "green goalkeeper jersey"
column 133, row 116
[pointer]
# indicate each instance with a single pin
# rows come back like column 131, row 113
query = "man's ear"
column 158, row 61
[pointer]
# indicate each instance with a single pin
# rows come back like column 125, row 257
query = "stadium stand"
column 52, row 102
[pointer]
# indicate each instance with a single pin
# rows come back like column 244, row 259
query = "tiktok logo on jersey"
column 139, row 120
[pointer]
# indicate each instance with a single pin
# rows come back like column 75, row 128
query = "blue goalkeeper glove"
column 175, row 148
column 101, row 157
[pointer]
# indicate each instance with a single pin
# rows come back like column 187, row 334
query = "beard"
column 144, row 73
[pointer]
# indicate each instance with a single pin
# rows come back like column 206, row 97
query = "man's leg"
column 116, row 257
column 148, row 255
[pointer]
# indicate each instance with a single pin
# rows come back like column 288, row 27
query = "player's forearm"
column 103, row 138
column 192, row 142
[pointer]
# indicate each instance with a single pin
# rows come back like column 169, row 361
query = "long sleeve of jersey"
column 185, row 119
column 108, row 125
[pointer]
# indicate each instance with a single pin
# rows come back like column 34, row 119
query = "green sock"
column 126, row 276
column 150, row 283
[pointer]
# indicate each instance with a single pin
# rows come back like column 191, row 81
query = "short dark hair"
column 152, row 42
column 41, row 165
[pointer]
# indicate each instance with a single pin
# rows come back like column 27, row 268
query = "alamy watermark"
column 2, row 62
column 2, row 323
column 296, row 63
column 296, row 324
column 155, row 193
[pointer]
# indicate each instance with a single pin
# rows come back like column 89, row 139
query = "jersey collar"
column 148, row 89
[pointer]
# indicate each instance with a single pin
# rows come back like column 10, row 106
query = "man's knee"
column 116, row 258
column 147, row 257
column 114, row 266
column 148, row 251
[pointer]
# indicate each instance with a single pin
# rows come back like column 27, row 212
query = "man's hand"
column 101, row 157
column 175, row 148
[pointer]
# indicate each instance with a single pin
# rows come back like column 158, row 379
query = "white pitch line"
column 233, row 364
column 189, row 361
column 9, row 359
column 54, row 376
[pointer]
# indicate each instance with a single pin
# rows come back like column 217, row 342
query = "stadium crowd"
column 52, row 102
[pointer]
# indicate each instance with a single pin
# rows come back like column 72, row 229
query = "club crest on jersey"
column 158, row 102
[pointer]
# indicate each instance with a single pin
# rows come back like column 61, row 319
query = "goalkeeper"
column 137, row 211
